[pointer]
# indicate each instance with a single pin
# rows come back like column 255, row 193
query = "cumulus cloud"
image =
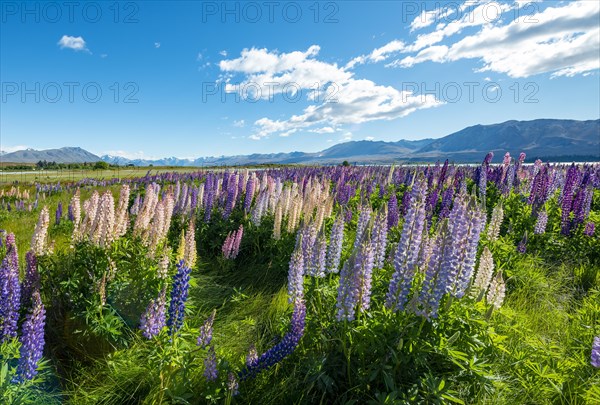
column 239, row 123
column 338, row 97
column 378, row 54
column 563, row 40
column 74, row 43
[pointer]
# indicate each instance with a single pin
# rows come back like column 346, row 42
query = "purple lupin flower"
column 206, row 331
column 407, row 252
column 210, row 365
column 249, row 194
column 540, row 224
column 32, row 340
column 31, row 282
column 179, row 294
column 251, row 357
column 285, row 346
column 405, row 203
column 590, row 228
column 153, row 320
column 70, row 215
column 231, row 195
column 348, row 215
column 522, row 246
column 392, row 211
column 10, row 291
column 595, row 356
column 447, row 198
column 567, row 198
column 334, row 251
column 58, row 214
column 232, row 384
column 209, row 195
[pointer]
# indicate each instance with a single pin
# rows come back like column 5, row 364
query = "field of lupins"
column 351, row 285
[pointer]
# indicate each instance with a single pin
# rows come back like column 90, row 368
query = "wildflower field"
column 336, row 285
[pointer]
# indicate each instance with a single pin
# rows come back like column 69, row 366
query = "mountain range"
column 548, row 139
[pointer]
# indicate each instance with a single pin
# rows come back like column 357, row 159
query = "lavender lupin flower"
column 334, row 251
column 206, row 330
column 466, row 248
column 319, row 256
column 407, row 252
column 428, row 300
column 482, row 182
column 540, row 224
column 595, row 356
column 153, row 320
column 393, row 212
column 10, row 291
column 361, row 226
column 179, row 294
column 210, row 365
column 32, row 340
column 296, row 275
column 380, row 232
column 355, row 283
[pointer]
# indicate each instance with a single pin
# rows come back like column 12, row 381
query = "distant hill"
column 62, row 155
column 540, row 138
column 548, row 139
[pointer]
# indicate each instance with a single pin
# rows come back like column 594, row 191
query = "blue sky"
column 190, row 79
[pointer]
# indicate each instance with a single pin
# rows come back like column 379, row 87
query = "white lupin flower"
column 484, row 273
column 495, row 295
column 40, row 234
column 494, row 227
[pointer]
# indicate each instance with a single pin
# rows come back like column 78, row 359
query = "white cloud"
column 130, row 155
column 378, row 54
column 10, row 149
column 199, row 56
column 323, row 130
column 338, row 98
column 239, row 123
column 562, row 40
column 157, row 45
column 104, row 55
column 74, row 43
column 369, row 138
column 223, row 53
